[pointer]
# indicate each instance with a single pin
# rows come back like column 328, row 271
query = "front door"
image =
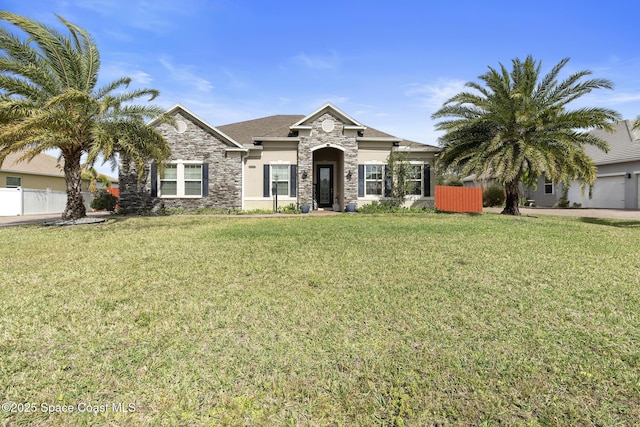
column 324, row 186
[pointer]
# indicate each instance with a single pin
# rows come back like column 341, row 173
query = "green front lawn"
column 341, row 320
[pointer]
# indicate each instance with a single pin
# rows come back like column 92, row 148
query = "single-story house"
column 35, row 186
column 325, row 160
column 42, row 172
column 618, row 182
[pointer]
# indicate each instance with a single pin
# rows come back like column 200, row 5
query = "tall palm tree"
column 518, row 126
column 49, row 99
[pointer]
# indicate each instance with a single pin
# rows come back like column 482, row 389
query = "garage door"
column 638, row 187
column 608, row 192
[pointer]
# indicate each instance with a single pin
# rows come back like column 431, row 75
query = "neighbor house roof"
column 41, row 164
column 624, row 144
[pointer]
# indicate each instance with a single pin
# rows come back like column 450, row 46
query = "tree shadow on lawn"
column 611, row 222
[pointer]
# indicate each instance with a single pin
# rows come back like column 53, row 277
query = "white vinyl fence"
column 30, row 201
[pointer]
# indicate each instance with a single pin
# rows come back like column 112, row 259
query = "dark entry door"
column 324, row 186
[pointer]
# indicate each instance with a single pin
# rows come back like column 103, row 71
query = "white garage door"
column 638, row 187
column 608, row 192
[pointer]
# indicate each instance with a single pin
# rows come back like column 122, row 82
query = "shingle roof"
column 271, row 126
column 624, row 144
column 278, row 126
column 42, row 164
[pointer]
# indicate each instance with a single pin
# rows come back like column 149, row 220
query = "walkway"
column 586, row 212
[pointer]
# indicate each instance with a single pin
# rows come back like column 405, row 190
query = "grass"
column 436, row 319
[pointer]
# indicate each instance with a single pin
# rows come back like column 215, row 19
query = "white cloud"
column 317, row 62
column 184, row 74
column 433, row 95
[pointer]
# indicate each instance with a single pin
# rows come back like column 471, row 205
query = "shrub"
column 103, row 200
column 493, row 196
column 289, row 209
column 389, row 206
column 563, row 203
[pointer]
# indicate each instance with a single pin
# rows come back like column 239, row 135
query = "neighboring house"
column 618, row 182
column 325, row 160
column 35, row 186
column 42, row 172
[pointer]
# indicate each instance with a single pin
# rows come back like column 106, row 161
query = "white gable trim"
column 350, row 121
column 194, row 116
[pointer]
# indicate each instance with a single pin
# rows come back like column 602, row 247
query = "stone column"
column 305, row 164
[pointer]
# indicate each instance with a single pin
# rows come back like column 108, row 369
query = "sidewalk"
column 579, row 212
column 8, row 221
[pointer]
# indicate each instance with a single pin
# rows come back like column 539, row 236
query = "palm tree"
column 91, row 175
column 517, row 126
column 49, row 99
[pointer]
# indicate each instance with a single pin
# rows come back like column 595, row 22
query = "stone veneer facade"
column 318, row 137
column 194, row 144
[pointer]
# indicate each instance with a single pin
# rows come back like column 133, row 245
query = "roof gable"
column 182, row 110
column 328, row 108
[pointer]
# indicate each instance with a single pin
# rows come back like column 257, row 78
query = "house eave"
column 275, row 139
column 300, row 127
column 201, row 121
column 50, row 175
column 377, row 139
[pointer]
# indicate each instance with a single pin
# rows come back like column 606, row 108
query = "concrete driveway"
column 588, row 213
column 8, row 221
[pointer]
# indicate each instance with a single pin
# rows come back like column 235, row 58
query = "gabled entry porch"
column 328, row 178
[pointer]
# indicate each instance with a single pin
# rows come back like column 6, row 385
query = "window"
column 373, row 179
column 548, row 186
column 280, row 180
column 414, row 180
column 181, row 180
column 169, row 181
column 192, row 180
column 14, row 181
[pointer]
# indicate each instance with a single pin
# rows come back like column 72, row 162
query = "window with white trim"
column 13, row 182
column 414, row 180
column 548, row 186
column 181, row 180
column 280, row 180
column 193, row 180
column 373, row 179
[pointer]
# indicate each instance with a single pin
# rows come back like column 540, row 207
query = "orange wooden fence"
column 458, row 199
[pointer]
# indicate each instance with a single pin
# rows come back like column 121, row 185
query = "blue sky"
column 389, row 65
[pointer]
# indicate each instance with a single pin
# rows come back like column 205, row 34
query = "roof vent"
column 180, row 126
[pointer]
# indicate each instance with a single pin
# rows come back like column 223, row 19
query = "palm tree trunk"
column 513, row 199
column 73, row 175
